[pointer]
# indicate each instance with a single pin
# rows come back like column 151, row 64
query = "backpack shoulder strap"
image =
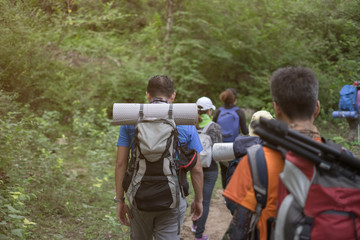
column 205, row 129
column 258, row 172
column 259, row 175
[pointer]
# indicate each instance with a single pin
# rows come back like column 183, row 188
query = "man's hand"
column 196, row 210
column 123, row 213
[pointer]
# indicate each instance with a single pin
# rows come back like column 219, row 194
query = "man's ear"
column 317, row 109
column 172, row 98
column 148, row 97
column 277, row 110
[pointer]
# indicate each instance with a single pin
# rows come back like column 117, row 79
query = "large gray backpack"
column 151, row 182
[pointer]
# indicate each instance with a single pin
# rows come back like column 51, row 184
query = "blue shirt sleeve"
column 189, row 135
column 126, row 134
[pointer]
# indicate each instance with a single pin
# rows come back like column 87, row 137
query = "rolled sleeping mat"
column 223, row 152
column 345, row 114
column 128, row 113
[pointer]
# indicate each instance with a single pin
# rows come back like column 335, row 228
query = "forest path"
column 217, row 222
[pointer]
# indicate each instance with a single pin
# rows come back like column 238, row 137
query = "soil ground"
column 217, row 222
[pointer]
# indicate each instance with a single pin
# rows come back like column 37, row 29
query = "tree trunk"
column 169, row 16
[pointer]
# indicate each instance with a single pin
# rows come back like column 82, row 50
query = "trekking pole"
column 279, row 134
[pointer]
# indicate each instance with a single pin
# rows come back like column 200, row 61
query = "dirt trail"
column 217, row 222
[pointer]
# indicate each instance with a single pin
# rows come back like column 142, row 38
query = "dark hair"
column 295, row 91
column 160, row 85
column 228, row 96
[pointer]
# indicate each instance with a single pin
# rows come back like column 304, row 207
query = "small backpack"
column 321, row 204
column 229, row 121
column 152, row 179
column 347, row 102
column 206, row 142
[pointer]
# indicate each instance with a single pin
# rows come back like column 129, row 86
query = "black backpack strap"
column 306, row 231
column 259, row 175
column 170, row 111
column 270, row 224
column 141, row 112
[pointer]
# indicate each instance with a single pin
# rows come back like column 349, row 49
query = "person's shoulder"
column 239, row 110
column 220, row 109
column 274, row 160
column 128, row 127
column 186, row 128
column 271, row 153
column 215, row 125
column 127, row 130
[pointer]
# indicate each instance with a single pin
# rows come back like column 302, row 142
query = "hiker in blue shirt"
column 231, row 119
column 158, row 224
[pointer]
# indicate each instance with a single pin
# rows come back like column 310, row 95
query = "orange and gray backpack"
column 322, row 182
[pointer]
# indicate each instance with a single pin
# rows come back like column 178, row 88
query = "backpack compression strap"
column 260, row 182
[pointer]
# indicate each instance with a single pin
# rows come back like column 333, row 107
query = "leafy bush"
column 64, row 63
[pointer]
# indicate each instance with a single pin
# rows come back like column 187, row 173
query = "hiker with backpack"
column 240, row 146
column 349, row 106
column 155, row 195
column 209, row 133
column 232, row 120
column 319, row 188
column 295, row 100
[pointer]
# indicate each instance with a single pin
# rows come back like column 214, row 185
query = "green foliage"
column 100, row 52
column 64, row 63
column 14, row 224
column 49, row 177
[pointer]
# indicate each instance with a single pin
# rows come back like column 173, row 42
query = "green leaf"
column 4, row 237
column 87, row 206
column 11, row 209
column 16, row 216
column 17, row 232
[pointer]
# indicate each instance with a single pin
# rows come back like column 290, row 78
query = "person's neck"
column 159, row 99
column 306, row 127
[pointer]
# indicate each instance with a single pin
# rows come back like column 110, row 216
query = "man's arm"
column 123, row 212
column 239, row 225
column 197, row 180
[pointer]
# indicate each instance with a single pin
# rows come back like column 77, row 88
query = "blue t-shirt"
column 187, row 134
